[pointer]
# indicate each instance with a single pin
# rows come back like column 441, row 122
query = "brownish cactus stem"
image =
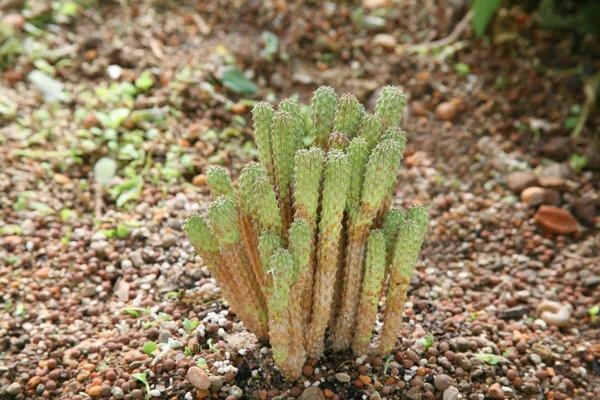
column 250, row 242
column 287, row 212
column 339, row 274
column 397, row 293
column 343, row 329
column 252, row 308
column 297, row 322
column 385, row 207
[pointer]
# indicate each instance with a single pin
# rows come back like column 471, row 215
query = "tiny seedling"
column 149, row 347
column 142, row 378
column 211, row 345
column 190, row 325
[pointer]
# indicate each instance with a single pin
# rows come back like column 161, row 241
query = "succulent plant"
column 306, row 240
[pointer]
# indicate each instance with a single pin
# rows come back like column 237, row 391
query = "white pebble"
column 114, row 71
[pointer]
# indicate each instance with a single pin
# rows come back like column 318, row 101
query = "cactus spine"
column 322, row 113
column 406, row 253
column 371, row 291
column 310, row 237
column 335, row 186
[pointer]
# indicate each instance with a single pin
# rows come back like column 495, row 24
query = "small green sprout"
column 594, row 311
column 149, row 347
column 142, row 378
column 190, row 325
column 211, row 345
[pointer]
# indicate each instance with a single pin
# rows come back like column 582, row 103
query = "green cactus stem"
column 371, row 291
column 338, row 141
column 380, row 176
column 348, row 115
column 392, row 222
column 284, row 149
column 281, row 271
column 308, row 170
column 398, row 136
column 301, row 248
column 335, row 186
column 322, row 113
column 370, row 129
column 358, row 154
column 219, row 182
column 262, row 115
column 268, row 243
column 224, row 223
column 405, row 257
column 389, row 106
column 291, row 107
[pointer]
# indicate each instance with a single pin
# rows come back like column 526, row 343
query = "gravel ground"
column 102, row 295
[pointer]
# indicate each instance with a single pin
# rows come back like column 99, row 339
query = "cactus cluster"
column 303, row 246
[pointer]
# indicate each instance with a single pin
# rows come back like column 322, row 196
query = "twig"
column 590, row 88
column 99, row 203
column 451, row 38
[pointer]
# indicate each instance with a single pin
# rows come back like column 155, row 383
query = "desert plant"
column 306, row 241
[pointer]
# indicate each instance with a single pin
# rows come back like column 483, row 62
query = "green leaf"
column 571, row 122
column 65, row 214
column 428, row 341
column 41, row 207
column 483, row 11
column 211, row 345
column 490, row 359
column 190, row 325
column 142, row 378
column 122, row 231
column 271, row 42
column 462, row 68
column 594, row 311
column 104, row 170
column 51, row 89
column 235, row 80
column 202, row 363
column 10, row 230
column 144, row 81
column 578, row 162
column 149, row 347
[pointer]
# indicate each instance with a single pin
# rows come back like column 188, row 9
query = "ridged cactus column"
column 371, row 291
column 279, row 280
column 406, row 253
column 308, row 171
column 348, row 115
column 224, row 224
column 335, row 186
column 322, row 113
column 300, row 247
column 380, row 176
column 285, row 145
column 389, row 106
column 262, row 115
